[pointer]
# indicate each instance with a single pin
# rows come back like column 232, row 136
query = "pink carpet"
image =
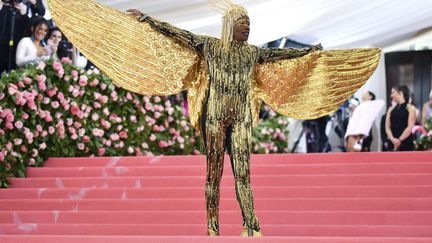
column 368, row 197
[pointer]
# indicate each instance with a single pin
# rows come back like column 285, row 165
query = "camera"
column 66, row 45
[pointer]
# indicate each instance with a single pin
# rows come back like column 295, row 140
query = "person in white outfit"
column 361, row 122
column 33, row 49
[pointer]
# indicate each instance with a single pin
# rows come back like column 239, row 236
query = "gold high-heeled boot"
column 212, row 233
column 254, row 233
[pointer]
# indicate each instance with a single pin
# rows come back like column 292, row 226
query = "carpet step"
column 225, row 230
column 195, row 181
column 255, row 159
column 193, row 170
column 227, row 192
column 205, row 239
column 226, row 217
column 272, row 204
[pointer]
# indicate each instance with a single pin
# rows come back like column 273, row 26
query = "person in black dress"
column 400, row 120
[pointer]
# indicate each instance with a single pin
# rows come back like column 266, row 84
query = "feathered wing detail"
column 197, row 94
column 134, row 55
column 316, row 84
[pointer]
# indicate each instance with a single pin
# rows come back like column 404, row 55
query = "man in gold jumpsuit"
column 225, row 100
column 226, row 120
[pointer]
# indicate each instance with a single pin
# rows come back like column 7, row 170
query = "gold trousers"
column 236, row 137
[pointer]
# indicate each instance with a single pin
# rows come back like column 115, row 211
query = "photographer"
column 13, row 25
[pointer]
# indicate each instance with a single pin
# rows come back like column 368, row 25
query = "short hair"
column 373, row 97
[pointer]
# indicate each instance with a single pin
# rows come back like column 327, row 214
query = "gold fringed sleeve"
column 316, row 84
column 134, row 55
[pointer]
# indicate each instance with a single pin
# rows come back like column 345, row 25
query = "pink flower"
column 48, row 118
column 21, row 84
column 43, row 146
column 123, row 134
column 35, row 152
column 72, row 130
column 55, row 104
column 86, row 139
column 180, row 139
column 196, row 152
column 144, row 146
column 10, row 117
column 44, row 134
column 27, row 80
column 157, row 115
column 131, row 150
column 41, row 78
column 103, row 86
column 114, row 95
column 77, row 125
column 2, row 132
column 75, row 92
column 148, row 106
column 83, row 81
column 152, row 137
column 104, row 99
column 157, row 99
column 101, row 151
column 75, row 110
column 74, row 136
column 57, row 66
column 51, row 92
column 97, row 105
column 32, row 161
column 9, row 125
column 94, row 83
column 81, row 146
column 133, row 118
column 98, row 132
column 66, row 60
column 114, row 137
column 23, row 149
column 12, row 89
column 129, row 96
column 60, row 96
column 42, row 86
column 51, row 130
column 163, row 144
column 41, row 66
column 155, row 128
column 39, row 128
column 81, row 132
column 74, row 73
column 17, row 141
column 2, row 156
column 9, row 146
column 19, row 124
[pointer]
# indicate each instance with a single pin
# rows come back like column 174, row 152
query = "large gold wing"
column 134, row 55
column 316, row 84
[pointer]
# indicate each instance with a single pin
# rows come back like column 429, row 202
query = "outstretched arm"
column 190, row 39
column 275, row 54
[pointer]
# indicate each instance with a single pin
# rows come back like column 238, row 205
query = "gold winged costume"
column 226, row 80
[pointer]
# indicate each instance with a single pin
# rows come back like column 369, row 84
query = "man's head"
column 241, row 29
column 235, row 21
column 368, row 96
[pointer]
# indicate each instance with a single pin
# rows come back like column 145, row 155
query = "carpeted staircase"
column 362, row 197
